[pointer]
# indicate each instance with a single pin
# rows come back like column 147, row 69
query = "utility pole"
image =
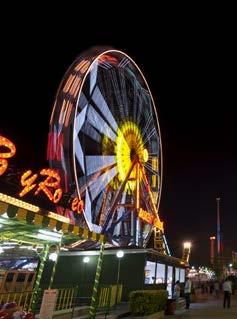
column 218, row 230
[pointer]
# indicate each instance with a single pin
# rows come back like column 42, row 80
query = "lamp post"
column 186, row 251
column 119, row 255
column 86, row 259
column 218, row 230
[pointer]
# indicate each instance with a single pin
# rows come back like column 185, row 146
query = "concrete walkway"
column 208, row 307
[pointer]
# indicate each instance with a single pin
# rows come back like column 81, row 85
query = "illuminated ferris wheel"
column 105, row 140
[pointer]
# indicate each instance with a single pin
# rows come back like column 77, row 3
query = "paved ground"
column 208, row 307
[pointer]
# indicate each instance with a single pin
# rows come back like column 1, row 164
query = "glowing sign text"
column 5, row 144
column 150, row 219
column 144, row 215
column 50, row 186
column 77, row 205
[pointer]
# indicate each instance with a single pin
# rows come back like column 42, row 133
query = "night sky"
column 190, row 65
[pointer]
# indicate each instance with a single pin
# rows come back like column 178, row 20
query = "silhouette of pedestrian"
column 187, row 292
column 227, row 293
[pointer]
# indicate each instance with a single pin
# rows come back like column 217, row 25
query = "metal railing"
column 22, row 299
column 67, row 298
column 109, row 296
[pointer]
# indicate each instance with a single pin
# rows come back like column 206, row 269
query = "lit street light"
column 119, row 255
column 85, row 260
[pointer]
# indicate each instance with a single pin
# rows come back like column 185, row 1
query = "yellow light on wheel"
column 145, row 155
column 129, row 147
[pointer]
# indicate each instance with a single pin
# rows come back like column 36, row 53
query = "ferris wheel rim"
column 111, row 88
column 96, row 58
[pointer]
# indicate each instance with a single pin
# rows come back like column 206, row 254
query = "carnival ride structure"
column 105, row 141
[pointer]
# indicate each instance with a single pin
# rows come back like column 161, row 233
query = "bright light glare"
column 53, row 256
column 86, row 259
column 187, row 244
column 120, row 254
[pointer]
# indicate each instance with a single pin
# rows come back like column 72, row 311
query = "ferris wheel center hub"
column 129, row 148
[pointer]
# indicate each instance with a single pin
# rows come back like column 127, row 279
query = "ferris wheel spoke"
column 147, row 125
column 93, row 76
column 91, row 132
column 100, row 183
column 149, row 167
column 98, row 205
column 80, row 119
column 97, row 122
column 124, row 92
column 79, row 153
column 137, row 102
column 150, row 135
column 115, row 85
column 103, row 107
column 120, row 214
column 97, row 163
column 124, row 62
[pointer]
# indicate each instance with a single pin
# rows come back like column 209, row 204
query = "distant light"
column 120, row 254
column 1, row 250
column 187, row 244
column 230, row 265
column 86, row 259
column 212, row 238
column 53, row 256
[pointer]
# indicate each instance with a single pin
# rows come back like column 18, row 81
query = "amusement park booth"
column 138, row 269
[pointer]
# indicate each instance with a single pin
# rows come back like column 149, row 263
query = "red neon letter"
column 27, row 182
column 4, row 142
column 52, row 181
column 77, row 205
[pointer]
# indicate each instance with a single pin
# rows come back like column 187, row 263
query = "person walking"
column 187, row 292
column 227, row 292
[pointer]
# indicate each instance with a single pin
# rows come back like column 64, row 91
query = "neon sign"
column 50, row 186
column 77, row 205
column 144, row 215
column 150, row 219
column 7, row 144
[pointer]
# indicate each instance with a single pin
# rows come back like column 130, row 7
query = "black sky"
column 190, row 65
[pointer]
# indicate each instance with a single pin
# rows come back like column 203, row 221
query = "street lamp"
column 119, row 255
column 86, row 259
column 186, row 251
